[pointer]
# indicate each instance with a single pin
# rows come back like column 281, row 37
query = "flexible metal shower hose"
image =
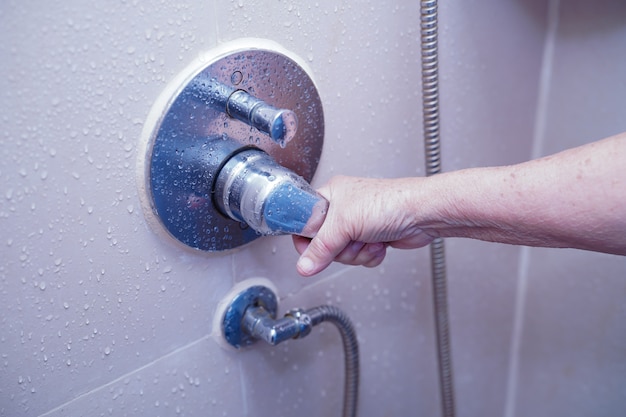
column 430, row 104
column 332, row 314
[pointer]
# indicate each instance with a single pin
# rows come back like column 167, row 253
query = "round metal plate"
column 256, row 296
column 182, row 203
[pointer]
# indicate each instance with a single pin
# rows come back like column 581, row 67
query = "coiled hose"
column 334, row 315
column 430, row 104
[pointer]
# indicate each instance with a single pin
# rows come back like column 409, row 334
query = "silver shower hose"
column 334, row 315
column 430, row 105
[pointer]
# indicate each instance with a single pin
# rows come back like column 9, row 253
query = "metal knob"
column 253, row 188
column 279, row 124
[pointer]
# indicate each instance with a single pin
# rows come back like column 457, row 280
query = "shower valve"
column 214, row 175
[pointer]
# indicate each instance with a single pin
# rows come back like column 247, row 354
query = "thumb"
column 318, row 255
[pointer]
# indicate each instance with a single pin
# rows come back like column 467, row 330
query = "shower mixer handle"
column 280, row 124
column 253, row 188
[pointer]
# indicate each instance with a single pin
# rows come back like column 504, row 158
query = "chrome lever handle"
column 280, row 124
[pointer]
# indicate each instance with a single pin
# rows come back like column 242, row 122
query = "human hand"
column 364, row 217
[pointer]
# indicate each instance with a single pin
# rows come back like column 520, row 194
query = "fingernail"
column 306, row 265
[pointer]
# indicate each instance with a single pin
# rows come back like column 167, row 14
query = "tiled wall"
column 572, row 344
column 491, row 57
column 100, row 316
column 535, row 332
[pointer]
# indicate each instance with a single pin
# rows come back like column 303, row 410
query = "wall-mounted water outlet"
column 250, row 315
column 230, row 148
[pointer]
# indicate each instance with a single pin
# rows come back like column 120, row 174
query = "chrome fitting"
column 303, row 321
column 252, row 315
column 254, row 189
column 259, row 324
column 280, row 124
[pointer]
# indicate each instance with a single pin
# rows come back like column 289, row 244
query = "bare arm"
column 576, row 199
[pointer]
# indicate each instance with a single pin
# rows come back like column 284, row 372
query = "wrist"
column 454, row 204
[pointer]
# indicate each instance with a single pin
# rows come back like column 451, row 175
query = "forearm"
column 576, row 198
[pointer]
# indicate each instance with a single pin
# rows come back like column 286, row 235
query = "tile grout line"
column 539, row 131
column 516, row 334
column 541, row 114
column 127, row 375
column 317, row 283
column 244, row 391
